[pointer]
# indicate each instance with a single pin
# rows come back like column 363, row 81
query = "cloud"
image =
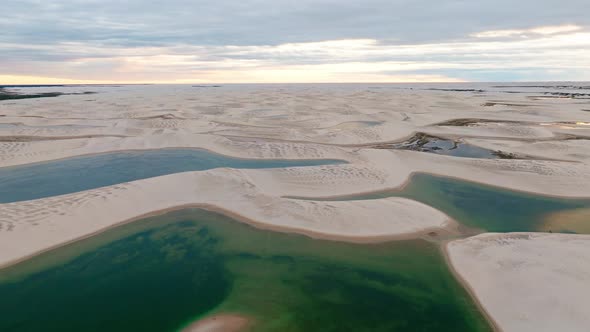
column 273, row 22
column 544, row 30
column 280, row 40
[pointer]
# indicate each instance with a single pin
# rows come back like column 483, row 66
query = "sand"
column 303, row 122
column 528, row 281
column 300, row 122
column 219, row 323
column 32, row 226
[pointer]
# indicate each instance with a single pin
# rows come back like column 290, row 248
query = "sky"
column 270, row 41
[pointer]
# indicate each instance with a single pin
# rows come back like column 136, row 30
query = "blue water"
column 20, row 183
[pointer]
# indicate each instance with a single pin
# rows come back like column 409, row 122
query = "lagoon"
column 58, row 177
column 161, row 273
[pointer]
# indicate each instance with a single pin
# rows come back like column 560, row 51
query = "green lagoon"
column 161, row 273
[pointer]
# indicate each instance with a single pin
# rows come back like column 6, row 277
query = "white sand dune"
column 32, row 226
column 528, row 281
column 531, row 276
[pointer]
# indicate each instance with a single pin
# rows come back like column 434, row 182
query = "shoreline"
column 253, row 223
column 467, row 287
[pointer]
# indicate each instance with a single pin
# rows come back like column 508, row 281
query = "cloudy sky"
column 182, row 41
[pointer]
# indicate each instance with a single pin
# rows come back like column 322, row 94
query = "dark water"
column 489, row 208
column 70, row 175
column 426, row 143
column 161, row 273
column 458, row 149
